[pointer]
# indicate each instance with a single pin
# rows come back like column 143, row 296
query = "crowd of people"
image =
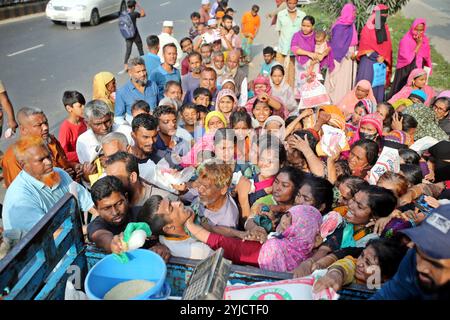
column 319, row 162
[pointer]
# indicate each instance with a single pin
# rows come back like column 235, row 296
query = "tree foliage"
column 333, row 8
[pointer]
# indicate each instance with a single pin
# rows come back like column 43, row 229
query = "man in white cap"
column 204, row 11
column 165, row 38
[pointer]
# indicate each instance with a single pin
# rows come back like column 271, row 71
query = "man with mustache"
column 191, row 81
column 166, row 71
column 38, row 187
column 33, row 122
column 233, row 71
column 424, row 273
column 137, row 88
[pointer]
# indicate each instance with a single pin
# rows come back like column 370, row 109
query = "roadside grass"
column 399, row 25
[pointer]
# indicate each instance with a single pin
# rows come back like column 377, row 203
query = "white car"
column 79, row 11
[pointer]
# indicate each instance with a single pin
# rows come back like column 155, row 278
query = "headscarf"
column 99, row 90
column 224, row 93
column 305, row 42
column 378, row 40
column 444, row 94
column 407, row 46
column 398, row 136
column 260, row 79
column 403, row 101
column 374, row 119
column 217, row 114
column 419, row 94
column 427, row 122
column 441, row 152
column 337, row 117
column 407, row 89
column 296, row 243
column 281, row 134
column 347, row 104
column 343, row 32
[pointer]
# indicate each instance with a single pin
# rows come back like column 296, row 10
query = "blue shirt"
column 162, row 151
column 160, row 76
column 127, row 95
column 404, row 285
column 27, row 200
column 152, row 62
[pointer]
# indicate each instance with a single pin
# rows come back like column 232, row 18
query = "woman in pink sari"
column 417, row 79
column 362, row 90
column 413, row 52
column 344, row 39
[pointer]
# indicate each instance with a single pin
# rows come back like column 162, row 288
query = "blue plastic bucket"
column 142, row 265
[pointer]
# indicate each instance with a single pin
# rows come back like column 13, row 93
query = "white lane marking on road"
column 164, row 4
column 113, row 21
column 25, row 50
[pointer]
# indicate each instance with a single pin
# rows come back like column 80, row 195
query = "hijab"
column 427, row 123
column 374, row 119
column 347, row 104
column 211, row 114
column 407, row 89
column 337, row 117
column 99, row 90
column 441, row 152
column 305, row 42
column 226, row 93
column 375, row 35
column 260, row 79
column 296, row 243
column 407, row 46
column 281, row 133
column 343, row 32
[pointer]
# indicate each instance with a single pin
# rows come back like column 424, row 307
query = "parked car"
column 80, row 11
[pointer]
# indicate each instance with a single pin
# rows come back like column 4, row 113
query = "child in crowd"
column 202, row 97
column 324, row 57
column 73, row 126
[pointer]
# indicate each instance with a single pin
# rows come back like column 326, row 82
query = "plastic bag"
column 166, row 176
column 331, row 138
column 379, row 75
column 73, row 294
column 389, row 160
column 313, row 94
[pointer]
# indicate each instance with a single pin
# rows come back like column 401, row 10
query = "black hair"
column 412, row 173
column 195, row 15
column 227, row 17
column 236, row 29
column 105, row 186
column 201, row 108
column 201, row 92
column 171, row 83
column 164, row 109
column 140, row 105
column 255, row 7
column 240, row 115
column 408, row 122
column 229, row 10
column 343, row 164
column 268, row 141
column 145, row 120
column 260, row 101
column 296, row 176
column 311, row 139
column 169, row 45
column 131, row 3
column 280, row 68
column 185, row 39
column 389, row 254
column 148, row 214
column 352, row 182
column 152, row 41
column 409, row 156
column 310, row 19
column 381, row 201
column 131, row 164
column 388, row 121
column 321, row 190
column 371, row 148
column 268, row 50
column 187, row 106
column 71, row 97
column 289, row 119
column 224, row 134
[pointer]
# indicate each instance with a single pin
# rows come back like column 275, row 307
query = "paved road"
column 437, row 14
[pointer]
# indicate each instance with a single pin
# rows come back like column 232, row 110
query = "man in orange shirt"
column 250, row 27
column 33, row 122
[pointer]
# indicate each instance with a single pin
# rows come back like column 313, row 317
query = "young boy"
column 140, row 107
column 202, row 113
column 189, row 115
column 195, row 19
column 73, row 126
column 202, row 96
column 269, row 61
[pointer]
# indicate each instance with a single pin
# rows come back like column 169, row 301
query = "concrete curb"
column 22, row 9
